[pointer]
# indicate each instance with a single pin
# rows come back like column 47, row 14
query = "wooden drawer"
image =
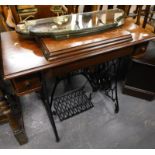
column 26, row 84
column 140, row 50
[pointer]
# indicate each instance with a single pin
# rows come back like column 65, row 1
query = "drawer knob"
column 27, row 84
column 143, row 49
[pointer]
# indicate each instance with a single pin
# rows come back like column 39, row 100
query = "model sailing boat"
column 73, row 25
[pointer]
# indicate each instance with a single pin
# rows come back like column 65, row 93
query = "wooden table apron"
column 23, row 60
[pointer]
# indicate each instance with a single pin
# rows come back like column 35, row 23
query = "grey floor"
column 132, row 127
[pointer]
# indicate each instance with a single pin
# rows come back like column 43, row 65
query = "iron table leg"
column 46, row 102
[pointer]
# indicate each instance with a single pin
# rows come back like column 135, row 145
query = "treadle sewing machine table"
column 24, row 63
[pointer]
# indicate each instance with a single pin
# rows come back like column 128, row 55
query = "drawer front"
column 26, row 84
column 140, row 50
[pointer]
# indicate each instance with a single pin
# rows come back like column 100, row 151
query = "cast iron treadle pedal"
column 72, row 103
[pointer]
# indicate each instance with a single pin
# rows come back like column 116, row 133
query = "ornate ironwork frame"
column 101, row 77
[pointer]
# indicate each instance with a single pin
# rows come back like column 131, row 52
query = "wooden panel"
column 83, row 63
column 26, row 84
column 72, row 49
column 133, row 91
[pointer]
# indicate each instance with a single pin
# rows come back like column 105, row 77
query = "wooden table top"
column 22, row 56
